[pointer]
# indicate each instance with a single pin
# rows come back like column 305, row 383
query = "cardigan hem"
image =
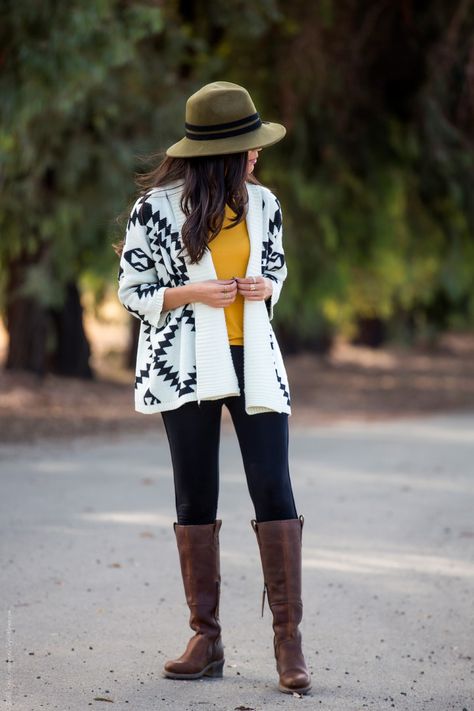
column 163, row 406
column 174, row 405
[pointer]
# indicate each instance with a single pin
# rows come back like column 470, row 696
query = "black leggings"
column 193, row 432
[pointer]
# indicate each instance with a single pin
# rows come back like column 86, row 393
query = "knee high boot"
column 198, row 547
column 280, row 552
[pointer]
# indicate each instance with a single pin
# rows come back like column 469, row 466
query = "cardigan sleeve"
column 143, row 278
column 276, row 268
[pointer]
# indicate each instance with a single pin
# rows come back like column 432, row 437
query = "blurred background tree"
column 73, row 90
column 375, row 174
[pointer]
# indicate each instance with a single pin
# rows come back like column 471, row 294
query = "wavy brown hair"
column 209, row 184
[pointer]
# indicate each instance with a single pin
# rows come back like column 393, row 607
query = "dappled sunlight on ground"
column 398, row 481
column 133, row 518
column 383, row 562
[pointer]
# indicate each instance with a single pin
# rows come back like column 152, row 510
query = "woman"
column 202, row 267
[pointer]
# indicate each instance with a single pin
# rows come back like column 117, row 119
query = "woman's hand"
column 257, row 288
column 216, row 292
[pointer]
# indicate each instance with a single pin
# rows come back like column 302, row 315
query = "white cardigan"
column 184, row 353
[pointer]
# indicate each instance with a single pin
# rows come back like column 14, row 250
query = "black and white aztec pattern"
column 153, row 260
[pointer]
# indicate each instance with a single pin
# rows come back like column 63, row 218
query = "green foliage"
column 375, row 175
column 66, row 84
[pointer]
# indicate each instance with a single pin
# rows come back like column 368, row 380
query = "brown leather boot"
column 280, row 552
column 198, row 548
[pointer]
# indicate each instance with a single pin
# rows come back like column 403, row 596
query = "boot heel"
column 215, row 670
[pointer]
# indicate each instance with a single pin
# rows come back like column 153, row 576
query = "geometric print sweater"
column 183, row 354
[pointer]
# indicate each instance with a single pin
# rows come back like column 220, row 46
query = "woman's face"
column 252, row 159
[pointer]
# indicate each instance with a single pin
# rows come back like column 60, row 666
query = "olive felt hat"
column 221, row 118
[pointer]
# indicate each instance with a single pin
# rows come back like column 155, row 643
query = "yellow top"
column 230, row 252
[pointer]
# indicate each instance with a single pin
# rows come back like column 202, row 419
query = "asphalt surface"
column 92, row 603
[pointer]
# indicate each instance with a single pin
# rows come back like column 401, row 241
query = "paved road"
column 92, row 603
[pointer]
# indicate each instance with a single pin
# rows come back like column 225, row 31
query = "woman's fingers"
column 249, row 283
column 254, row 288
column 226, row 285
column 224, row 291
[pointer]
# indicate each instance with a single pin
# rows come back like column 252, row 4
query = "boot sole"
column 287, row 690
column 213, row 670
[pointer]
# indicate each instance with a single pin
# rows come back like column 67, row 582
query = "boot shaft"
column 280, row 552
column 198, row 547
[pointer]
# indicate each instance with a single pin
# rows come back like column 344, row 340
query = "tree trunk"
column 292, row 341
column 28, row 324
column 41, row 339
column 72, row 352
column 371, row 332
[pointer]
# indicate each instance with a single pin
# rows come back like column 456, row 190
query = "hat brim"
column 266, row 135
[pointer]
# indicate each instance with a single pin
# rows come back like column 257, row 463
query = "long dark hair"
column 209, row 184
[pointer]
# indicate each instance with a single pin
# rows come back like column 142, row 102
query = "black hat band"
column 225, row 130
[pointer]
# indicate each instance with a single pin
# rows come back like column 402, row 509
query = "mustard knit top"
column 230, row 252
